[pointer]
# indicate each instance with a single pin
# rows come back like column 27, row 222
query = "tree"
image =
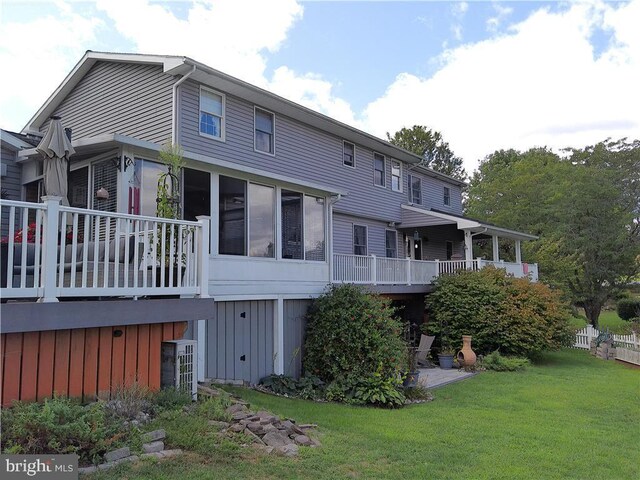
column 429, row 144
column 583, row 207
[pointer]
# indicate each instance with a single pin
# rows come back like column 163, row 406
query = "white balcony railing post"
column 203, row 255
column 409, row 271
column 374, row 272
column 437, row 268
column 50, row 249
column 479, row 263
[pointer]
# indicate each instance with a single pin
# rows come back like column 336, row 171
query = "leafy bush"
column 495, row 361
column 58, row 426
column 628, row 308
column 417, row 393
column 514, row 315
column 309, row 388
column 352, row 333
column 380, row 391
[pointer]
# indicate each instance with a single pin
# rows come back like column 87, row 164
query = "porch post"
column 518, row 251
column 278, row 336
column 408, row 271
column 203, row 255
column 201, row 336
column 468, row 248
column 50, row 250
column 374, row 272
column 496, row 252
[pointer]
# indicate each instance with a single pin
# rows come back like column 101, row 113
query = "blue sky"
column 488, row 75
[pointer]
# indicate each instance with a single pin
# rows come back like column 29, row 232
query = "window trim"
column 366, row 239
column 384, row 170
column 410, row 188
column 344, row 142
column 395, row 235
column 446, row 196
column 399, row 176
column 273, row 115
column 223, row 130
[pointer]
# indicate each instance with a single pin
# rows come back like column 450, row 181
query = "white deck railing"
column 375, row 270
column 51, row 251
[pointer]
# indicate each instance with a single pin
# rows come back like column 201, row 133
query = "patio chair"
column 423, row 351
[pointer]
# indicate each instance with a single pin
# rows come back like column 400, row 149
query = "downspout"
column 174, row 106
column 334, row 200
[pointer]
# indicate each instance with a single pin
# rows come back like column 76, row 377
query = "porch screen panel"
column 291, row 224
column 314, row 228
column 232, row 214
column 391, row 243
column 261, row 220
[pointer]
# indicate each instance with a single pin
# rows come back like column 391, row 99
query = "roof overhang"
column 101, row 143
column 431, row 218
column 12, row 142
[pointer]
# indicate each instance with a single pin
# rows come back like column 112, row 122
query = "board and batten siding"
column 240, row 341
column 295, row 325
column 300, row 150
column 124, row 98
column 343, row 235
column 11, row 183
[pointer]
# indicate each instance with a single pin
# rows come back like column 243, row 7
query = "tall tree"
column 585, row 208
column 429, row 144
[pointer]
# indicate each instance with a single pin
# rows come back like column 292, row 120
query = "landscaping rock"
column 235, row 408
column 171, row 453
column 117, row 454
column 106, row 466
column 237, row 416
column 154, row 436
column 237, row 428
column 256, row 428
column 303, row 440
column 87, row 470
column 277, row 439
column 254, row 438
column 290, row 450
column 219, row 425
column 269, row 428
column 208, row 391
column 157, row 455
column 153, row 447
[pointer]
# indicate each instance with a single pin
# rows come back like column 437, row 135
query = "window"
column 391, row 243
column 415, row 190
column 265, row 130
column 211, row 114
column 378, row 170
column 262, row 216
column 449, row 250
column 447, row 196
column 349, row 154
column 291, row 203
column 231, row 218
column 359, row 240
column 314, row 229
column 396, row 176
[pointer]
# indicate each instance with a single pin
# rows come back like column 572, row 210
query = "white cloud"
column 502, row 12
column 41, row 51
column 539, row 85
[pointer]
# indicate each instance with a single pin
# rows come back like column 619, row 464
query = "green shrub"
column 128, row 401
column 308, row 388
column 495, row 361
column 351, row 333
column 58, row 426
column 499, row 311
column 380, row 391
column 171, row 398
column 628, row 308
column 417, row 393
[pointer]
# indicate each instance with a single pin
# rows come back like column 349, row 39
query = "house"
column 278, row 201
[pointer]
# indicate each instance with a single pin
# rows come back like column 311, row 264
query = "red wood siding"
column 83, row 362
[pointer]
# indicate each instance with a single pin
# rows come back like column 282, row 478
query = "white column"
column 50, row 250
column 201, row 336
column 278, row 245
column 374, row 272
column 496, row 250
column 278, row 336
column 468, row 248
column 215, row 212
column 518, row 251
column 203, row 256
column 329, row 234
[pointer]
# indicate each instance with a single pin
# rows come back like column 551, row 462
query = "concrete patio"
column 437, row 377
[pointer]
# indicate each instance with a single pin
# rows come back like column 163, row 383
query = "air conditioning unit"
column 179, row 365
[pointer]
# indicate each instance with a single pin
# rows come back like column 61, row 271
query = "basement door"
column 240, row 341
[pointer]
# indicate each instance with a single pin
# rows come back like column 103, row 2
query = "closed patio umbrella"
column 56, row 148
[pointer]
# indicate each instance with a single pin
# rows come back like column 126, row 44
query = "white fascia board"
column 14, row 143
column 506, row 233
column 462, row 223
column 289, row 182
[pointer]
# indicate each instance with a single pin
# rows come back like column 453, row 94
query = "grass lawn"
column 570, row 416
column 608, row 319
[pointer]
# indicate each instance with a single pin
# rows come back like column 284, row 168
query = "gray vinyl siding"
column 295, row 325
column 240, row 330
column 125, row 98
column 433, row 194
column 343, row 234
column 10, row 184
column 299, row 150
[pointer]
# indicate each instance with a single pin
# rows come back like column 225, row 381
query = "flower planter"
column 446, row 360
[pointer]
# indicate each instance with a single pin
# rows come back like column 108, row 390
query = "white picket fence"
column 627, row 346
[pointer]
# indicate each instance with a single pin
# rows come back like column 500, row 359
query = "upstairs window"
column 211, row 114
column 396, row 176
column 391, row 243
column 349, row 154
column 415, row 190
column 264, row 131
column 378, row 169
column 447, row 196
column 359, row 240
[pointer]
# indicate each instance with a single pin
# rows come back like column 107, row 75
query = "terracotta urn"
column 466, row 356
